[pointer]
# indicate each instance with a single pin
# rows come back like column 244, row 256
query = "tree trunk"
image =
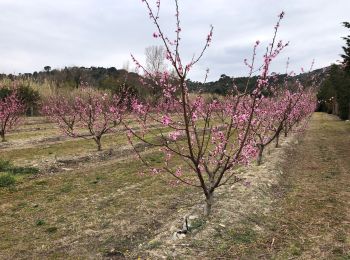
column 2, row 135
column 261, row 150
column 285, row 132
column 209, row 199
column 277, row 140
column 98, row 142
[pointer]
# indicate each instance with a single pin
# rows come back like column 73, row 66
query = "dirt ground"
column 294, row 206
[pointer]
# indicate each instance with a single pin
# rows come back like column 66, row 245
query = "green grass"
column 40, row 222
column 6, row 180
column 8, row 167
column 10, row 174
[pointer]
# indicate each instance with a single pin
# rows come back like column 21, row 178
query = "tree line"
column 334, row 93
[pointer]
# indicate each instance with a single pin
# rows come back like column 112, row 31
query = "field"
column 72, row 202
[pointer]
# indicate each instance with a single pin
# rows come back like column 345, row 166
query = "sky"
column 104, row 33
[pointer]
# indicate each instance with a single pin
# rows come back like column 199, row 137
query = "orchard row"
column 213, row 136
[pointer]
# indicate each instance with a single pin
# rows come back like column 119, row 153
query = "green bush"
column 6, row 180
column 4, row 92
column 4, row 165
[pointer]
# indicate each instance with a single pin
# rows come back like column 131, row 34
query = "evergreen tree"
column 346, row 55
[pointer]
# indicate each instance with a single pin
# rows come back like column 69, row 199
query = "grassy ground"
column 312, row 220
column 107, row 210
column 311, row 214
column 87, row 212
column 94, row 210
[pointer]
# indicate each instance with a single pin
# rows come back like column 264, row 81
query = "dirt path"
column 311, row 219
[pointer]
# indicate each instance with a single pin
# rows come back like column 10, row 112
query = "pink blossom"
column 166, row 120
column 174, row 135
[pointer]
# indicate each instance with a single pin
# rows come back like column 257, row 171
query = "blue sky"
column 105, row 32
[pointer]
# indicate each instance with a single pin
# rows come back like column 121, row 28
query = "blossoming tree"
column 212, row 137
column 279, row 112
column 11, row 109
column 94, row 112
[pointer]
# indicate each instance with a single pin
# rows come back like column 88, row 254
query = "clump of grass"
column 40, row 222
column 66, row 188
column 154, row 244
column 51, row 229
column 243, row 237
column 295, row 250
column 6, row 180
column 239, row 236
column 196, row 224
column 6, row 166
column 97, row 180
column 23, row 170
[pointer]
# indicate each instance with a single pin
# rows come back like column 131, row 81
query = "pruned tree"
column 89, row 114
column 281, row 112
column 212, row 137
column 11, row 108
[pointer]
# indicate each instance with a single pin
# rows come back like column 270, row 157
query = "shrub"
column 4, row 165
column 6, row 180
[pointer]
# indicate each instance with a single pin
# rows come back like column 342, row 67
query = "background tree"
column 87, row 113
column 11, row 108
column 334, row 93
column 27, row 95
column 155, row 59
column 346, row 48
column 47, row 69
